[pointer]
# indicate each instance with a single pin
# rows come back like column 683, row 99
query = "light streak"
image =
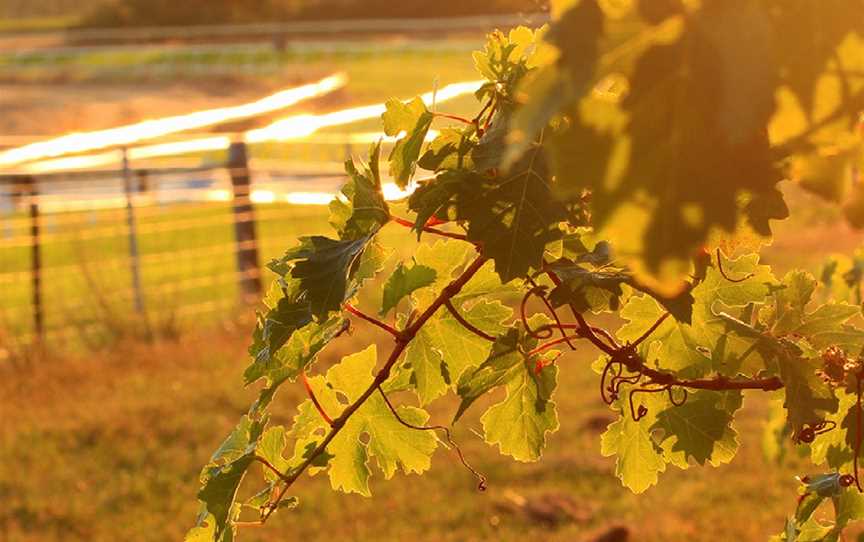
column 151, row 129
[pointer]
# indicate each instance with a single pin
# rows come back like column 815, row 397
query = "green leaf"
column 694, row 141
column 504, row 362
column 587, row 288
column 325, row 268
column 515, row 215
column 393, row 445
column 577, row 35
column 414, row 119
column 791, row 301
column 448, row 256
column 700, row 429
column 639, row 459
column 362, row 209
column 434, row 198
column 808, row 398
column 220, row 480
column 270, row 447
column 519, row 424
column 403, row 282
column 451, row 149
column 297, row 354
column 443, row 349
column 219, row 492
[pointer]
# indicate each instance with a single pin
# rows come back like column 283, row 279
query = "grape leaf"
column 443, row 349
column 639, row 459
column 299, row 351
column 515, row 215
column 519, row 423
column 434, row 197
column 451, row 149
column 324, row 268
column 791, row 300
column 414, row 119
column 707, row 98
column 446, row 257
column 403, row 281
column 221, row 478
column 808, row 398
column 544, row 91
column 528, row 400
column 362, row 209
column 700, row 429
column 392, row 444
column 822, row 28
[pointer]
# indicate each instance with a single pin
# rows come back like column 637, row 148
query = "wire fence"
column 88, row 258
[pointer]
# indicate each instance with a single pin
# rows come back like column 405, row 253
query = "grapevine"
column 620, row 163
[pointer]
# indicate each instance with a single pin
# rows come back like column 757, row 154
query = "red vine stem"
column 627, row 357
column 465, row 323
column 429, row 229
column 315, row 402
column 270, row 466
column 550, row 344
column 402, row 341
column 651, row 329
column 374, row 321
column 481, row 479
column 453, row 117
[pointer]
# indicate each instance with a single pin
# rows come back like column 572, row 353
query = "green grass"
column 37, row 24
column 368, row 66
column 116, row 456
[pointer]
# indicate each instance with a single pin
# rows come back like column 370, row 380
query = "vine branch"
column 465, row 323
column 372, row 320
column 402, row 341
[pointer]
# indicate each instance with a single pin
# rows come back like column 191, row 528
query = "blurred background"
column 154, row 155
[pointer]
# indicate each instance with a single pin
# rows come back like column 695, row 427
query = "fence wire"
column 72, row 245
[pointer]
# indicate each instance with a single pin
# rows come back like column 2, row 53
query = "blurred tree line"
column 191, row 12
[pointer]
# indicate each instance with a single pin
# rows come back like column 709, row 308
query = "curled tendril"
column 540, row 333
column 640, row 412
column 612, row 388
column 543, row 332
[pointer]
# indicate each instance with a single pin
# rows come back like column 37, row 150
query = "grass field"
column 108, row 446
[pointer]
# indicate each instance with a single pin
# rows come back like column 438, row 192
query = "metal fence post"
column 244, row 224
column 134, row 263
